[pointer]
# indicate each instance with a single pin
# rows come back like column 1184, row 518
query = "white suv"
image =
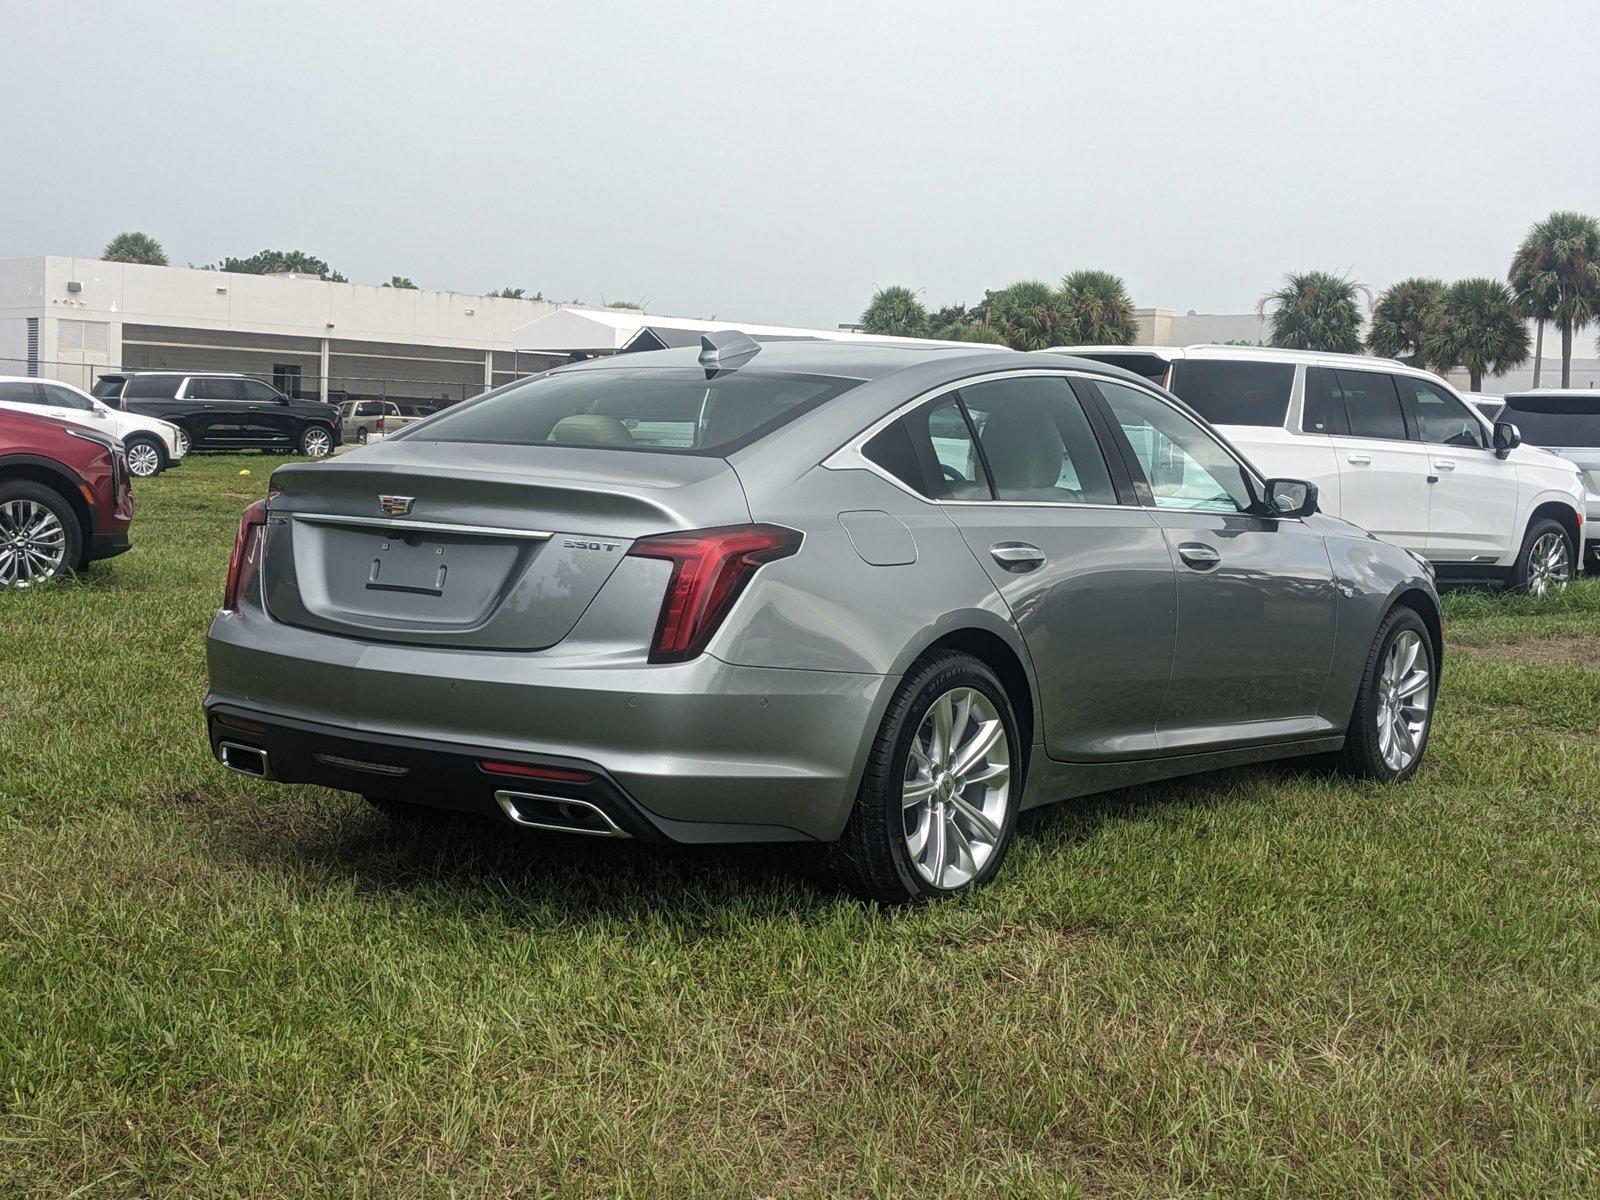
column 152, row 445
column 1391, row 448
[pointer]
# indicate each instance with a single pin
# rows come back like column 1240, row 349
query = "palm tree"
column 1099, row 304
column 135, row 247
column 1399, row 317
column 1563, row 257
column 968, row 331
column 1536, row 296
column 1476, row 324
column 895, row 311
column 401, row 282
column 1315, row 310
column 1029, row 315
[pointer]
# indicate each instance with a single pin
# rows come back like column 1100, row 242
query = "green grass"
column 1262, row 983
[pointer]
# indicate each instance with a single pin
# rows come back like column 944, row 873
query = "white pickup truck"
column 363, row 421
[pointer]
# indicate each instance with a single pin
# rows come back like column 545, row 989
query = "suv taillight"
column 251, row 523
column 710, row 567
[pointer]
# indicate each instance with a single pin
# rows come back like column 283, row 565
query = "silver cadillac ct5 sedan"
column 878, row 596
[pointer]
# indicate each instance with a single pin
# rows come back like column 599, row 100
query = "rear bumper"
column 109, row 545
column 690, row 752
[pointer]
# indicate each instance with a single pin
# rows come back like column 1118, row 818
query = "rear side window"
column 19, row 393
column 1372, row 403
column 892, row 450
column 676, row 411
column 1235, row 393
column 152, row 387
column 201, row 388
column 1037, row 443
column 1555, row 420
column 1324, row 409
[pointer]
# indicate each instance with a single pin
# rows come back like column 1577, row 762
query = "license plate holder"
column 419, row 567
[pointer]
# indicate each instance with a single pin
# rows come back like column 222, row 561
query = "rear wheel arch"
column 997, row 654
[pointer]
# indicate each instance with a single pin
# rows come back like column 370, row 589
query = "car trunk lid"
column 472, row 545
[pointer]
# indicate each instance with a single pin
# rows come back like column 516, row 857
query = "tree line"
column 1479, row 324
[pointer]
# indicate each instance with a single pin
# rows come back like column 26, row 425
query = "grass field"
column 1260, row 983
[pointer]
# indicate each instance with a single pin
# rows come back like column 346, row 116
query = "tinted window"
column 62, row 397
column 1037, row 442
column 107, row 387
column 1151, row 366
column 1184, row 465
column 1235, row 393
column 254, row 389
column 1555, row 420
column 675, row 410
column 19, row 393
column 892, row 450
column 1324, row 409
column 369, row 409
column 203, row 388
column 152, row 387
column 1441, row 417
column 1372, row 403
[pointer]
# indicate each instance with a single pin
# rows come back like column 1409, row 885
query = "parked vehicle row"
column 65, row 498
column 151, row 445
column 1392, row 448
column 219, row 410
column 883, row 597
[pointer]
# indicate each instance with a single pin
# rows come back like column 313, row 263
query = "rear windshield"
column 1555, row 420
column 671, row 411
column 1147, row 366
column 107, row 387
column 1235, row 393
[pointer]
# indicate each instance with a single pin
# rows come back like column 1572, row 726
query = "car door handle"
column 1360, row 460
column 1199, row 555
column 1444, row 464
column 1017, row 556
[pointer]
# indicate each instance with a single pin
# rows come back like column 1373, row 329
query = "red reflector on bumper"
column 523, row 771
column 240, row 723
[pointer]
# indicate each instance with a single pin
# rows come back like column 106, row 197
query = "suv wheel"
column 361, row 435
column 39, row 534
column 1545, row 564
column 316, row 442
column 1394, row 708
column 938, row 802
column 145, row 458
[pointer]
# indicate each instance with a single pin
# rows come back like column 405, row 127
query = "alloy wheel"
column 1405, row 696
column 33, row 543
column 317, row 443
column 1549, row 564
column 144, row 460
column 957, row 782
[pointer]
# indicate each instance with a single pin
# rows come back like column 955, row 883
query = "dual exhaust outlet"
column 557, row 814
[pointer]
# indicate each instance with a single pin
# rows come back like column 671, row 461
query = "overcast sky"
column 776, row 162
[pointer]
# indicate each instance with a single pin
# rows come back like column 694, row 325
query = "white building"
column 77, row 318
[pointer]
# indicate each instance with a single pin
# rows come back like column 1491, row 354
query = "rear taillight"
column 379, row 428
column 251, row 524
column 710, row 567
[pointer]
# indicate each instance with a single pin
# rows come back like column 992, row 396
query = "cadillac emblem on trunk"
column 395, row 506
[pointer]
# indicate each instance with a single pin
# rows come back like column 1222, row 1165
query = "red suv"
column 64, row 498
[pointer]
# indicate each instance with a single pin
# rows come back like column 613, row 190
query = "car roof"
column 1214, row 350
column 1557, row 394
column 170, row 371
column 846, row 360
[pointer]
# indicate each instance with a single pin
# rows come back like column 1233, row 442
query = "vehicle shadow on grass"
column 489, row 867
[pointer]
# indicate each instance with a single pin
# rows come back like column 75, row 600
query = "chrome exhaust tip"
column 558, row 814
column 247, row 760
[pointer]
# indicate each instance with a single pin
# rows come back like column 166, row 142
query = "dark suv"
column 224, row 411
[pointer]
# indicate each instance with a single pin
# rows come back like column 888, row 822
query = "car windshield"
column 1234, row 393
column 668, row 410
column 1555, row 420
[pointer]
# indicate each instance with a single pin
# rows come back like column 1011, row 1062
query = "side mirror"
column 1507, row 437
column 1290, row 498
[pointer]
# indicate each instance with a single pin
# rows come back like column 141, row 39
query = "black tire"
column 137, row 442
column 1363, row 755
column 412, row 814
column 1527, row 575
column 38, row 493
column 313, row 437
column 871, row 858
column 361, row 436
